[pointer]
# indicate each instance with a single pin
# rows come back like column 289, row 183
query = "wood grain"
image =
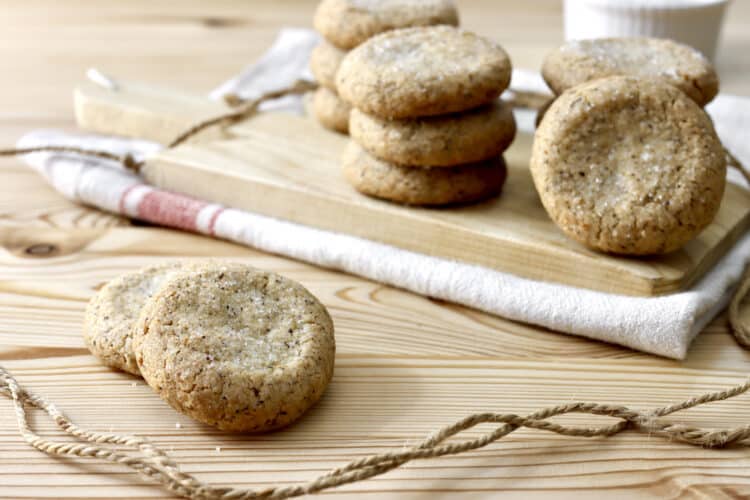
column 363, row 411
column 406, row 363
column 277, row 163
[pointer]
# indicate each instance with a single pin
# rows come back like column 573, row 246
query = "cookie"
column 235, row 347
column 422, row 72
column 584, row 60
column 437, row 141
column 324, row 62
column 112, row 313
column 331, row 112
column 422, row 185
column 628, row 165
column 542, row 111
column 348, row 23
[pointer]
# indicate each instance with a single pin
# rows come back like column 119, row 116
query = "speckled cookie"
column 235, row 347
column 628, row 165
column 112, row 313
column 423, row 72
column 331, row 112
column 347, row 23
column 542, row 111
column 422, row 185
column 324, row 62
column 584, row 60
column 437, row 141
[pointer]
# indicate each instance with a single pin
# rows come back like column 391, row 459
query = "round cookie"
column 542, row 111
column 112, row 314
column 347, row 23
column 677, row 64
column 324, row 62
column 628, row 165
column 437, row 141
column 422, row 185
column 235, row 347
column 331, row 112
column 422, row 72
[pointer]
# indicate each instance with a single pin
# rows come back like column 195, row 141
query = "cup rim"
column 653, row 4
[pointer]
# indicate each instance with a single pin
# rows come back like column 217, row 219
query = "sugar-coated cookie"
column 113, row 311
column 331, row 112
column 445, row 140
column 422, row 185
column 542, row 111
column 422, row 72
column 579, row 61
column 628, row 165
column 324, row 62
column 235, row 347
column 347, row 23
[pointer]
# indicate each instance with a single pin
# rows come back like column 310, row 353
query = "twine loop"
column 153, row 463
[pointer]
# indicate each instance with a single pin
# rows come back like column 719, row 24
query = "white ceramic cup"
column 693, row 22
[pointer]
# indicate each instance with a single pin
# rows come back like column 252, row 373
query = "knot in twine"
column 153, row 463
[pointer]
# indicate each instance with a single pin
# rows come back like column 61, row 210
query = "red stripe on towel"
column 170, row 209
column 212, row 222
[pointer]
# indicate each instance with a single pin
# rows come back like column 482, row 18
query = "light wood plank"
column 30, row 203
column 287, row 167
column 192, row 45
column 295, row 176
column 143, row 111
column 42, row 301
column 405, row 364
column 364, row 411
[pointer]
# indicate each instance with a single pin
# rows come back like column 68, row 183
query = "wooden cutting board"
column 286, row 166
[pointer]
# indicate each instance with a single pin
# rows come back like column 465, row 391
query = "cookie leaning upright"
column 236, row 347
column 628, row 165
column 580, row 61
column 423, row 72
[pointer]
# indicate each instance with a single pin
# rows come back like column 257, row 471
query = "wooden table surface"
column 405, row 364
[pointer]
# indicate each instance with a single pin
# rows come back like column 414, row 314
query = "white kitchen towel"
column 661, row 325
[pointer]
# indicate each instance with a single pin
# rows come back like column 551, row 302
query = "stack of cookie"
column 345, row 24
column 227, row 344
column 427, row 126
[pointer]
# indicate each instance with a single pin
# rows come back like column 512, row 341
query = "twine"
column 127, row 160
column 245, row 108
column 154, row 464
